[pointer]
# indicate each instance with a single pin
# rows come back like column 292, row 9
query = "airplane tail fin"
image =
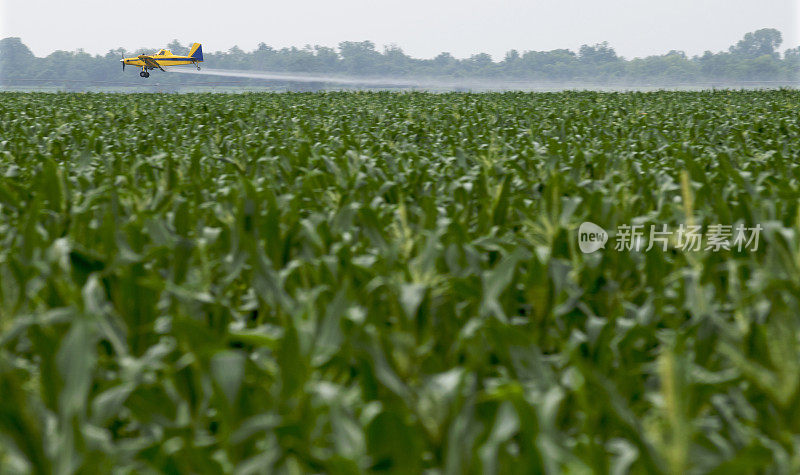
column 196, row 52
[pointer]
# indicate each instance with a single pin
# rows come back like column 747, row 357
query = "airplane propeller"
column 123, row 62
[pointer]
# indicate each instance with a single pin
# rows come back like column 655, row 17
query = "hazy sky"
column 422, row 28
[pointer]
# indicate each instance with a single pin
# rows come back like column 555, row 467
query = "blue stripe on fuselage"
column 187, row 58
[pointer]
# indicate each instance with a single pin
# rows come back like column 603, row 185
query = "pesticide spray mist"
column 379, row 82
column 299, row 77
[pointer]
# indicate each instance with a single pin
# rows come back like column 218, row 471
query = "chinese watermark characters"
column 686, row 238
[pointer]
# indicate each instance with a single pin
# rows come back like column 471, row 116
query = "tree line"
column 754, row 58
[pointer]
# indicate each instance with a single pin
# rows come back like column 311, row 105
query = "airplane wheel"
column 146, row 74
column 141, row 74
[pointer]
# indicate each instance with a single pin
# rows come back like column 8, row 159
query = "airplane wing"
column 150, row 62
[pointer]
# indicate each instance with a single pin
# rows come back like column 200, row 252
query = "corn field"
column 392, row 282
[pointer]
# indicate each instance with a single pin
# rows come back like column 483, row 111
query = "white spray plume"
column 379, row 82
column 300, row 77
column 432, row 83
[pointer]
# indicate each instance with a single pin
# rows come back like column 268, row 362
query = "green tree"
column 597, row 54
column 359, row 57
column 177, row 48
column 559, row 64
column 758, row 43
column 396, row 61
column 15, row 59
column 444, row 64
column 14, row 51
column 445, row 59
column 327, row 58
column 791, row 60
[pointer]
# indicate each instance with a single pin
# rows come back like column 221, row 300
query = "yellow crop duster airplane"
column 164, row 57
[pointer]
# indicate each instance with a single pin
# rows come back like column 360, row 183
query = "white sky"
column 422, row 28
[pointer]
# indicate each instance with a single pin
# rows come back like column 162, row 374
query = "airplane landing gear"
column 144, row 74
